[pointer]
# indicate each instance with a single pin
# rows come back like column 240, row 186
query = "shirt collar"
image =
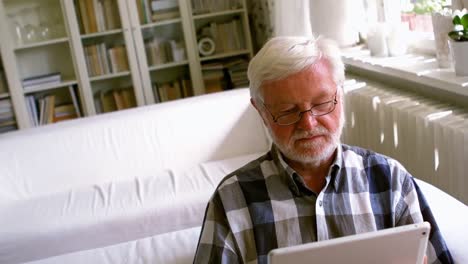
column 292, row 178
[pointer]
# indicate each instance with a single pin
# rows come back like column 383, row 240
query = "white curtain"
column 340, row 20
column 337, row 19
column 291, row 18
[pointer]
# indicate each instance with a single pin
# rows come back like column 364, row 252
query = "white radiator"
column 428, row 137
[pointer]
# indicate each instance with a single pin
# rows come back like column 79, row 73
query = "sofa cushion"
column 106, row 214
column 176, row 247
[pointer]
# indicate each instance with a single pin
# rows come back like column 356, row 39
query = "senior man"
column 309, row 186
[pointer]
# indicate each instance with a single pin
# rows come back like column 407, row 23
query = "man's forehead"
column 287, row 92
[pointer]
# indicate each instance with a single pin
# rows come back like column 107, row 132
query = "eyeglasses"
column 293, row 116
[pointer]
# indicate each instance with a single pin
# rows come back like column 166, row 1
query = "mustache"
column 317, row 131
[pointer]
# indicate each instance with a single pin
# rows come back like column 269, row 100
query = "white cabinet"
column 7, row 115
column 38, row 59
column 73, row 58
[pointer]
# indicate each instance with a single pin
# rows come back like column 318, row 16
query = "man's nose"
column 307, row 120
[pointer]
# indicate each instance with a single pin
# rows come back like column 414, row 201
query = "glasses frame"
column 300, row 113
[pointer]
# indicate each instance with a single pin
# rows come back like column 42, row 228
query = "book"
column 3, row 84
column 43, row 78
column 99, row 14
column 107, row 101
column 83, row 15
column 119, row 102
column 174, row 91
column 128, row 97
column 50, row 107
column 111, row 14
column 32, row 83
column 7, row 128
column 91, row 15
column 32, row 110
column 74, row 98
column 162, row 91
column 186, row 88
column 64, row 112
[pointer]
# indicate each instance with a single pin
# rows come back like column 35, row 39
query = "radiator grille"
column 428, row 137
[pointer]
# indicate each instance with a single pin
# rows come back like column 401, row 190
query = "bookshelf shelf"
column 102, row 34
column 168, row 65
column 42, row 44
column 109, row 76
column 225, row 55
column 220, row 13
column 49, row 87
column 4, row 95
column 161, row 23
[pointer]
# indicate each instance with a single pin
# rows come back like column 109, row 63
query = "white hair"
column 281, row 57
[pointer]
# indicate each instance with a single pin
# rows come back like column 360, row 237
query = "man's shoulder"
column 376, row 167
column 367, row 155
column 250, row 171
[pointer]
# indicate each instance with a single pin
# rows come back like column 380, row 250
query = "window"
column 415, row 15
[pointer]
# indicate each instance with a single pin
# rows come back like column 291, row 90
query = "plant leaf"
column 464, row 21
column 454, row 35
column 456, row 20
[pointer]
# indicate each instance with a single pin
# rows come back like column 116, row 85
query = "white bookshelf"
column 81, row 53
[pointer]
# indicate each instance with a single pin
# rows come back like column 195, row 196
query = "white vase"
column 459, row 50
column 397, row 37
column 377, row 40
column 442, row 25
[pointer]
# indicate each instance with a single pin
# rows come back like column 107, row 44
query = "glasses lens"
column 323, row 109
column 288, row 119
column 318, row 110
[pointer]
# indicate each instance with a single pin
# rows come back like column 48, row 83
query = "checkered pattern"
column 266, row 205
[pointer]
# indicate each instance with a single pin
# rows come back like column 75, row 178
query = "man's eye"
column 286, row 109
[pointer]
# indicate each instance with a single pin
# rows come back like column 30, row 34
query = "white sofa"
column 131, row 186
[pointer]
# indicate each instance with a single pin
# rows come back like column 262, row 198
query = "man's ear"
column 259, row 110
column 252, row 101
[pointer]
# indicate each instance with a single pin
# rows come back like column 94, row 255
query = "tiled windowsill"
column 415, row 68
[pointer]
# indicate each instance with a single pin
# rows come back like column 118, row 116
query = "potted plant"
column 459, row 42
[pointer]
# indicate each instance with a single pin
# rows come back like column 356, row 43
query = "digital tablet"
column 403, row 244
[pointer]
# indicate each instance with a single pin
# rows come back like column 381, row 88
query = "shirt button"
column 320, row 203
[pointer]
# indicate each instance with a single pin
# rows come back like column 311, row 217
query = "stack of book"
column 214, row 77
column 114, row 99
column 237, row 70
column 7, row 118
column 52, row 108
column 176, row 89
column 34, row 82
column 101, row 60
column 162, row 51
column 207, row 6
column 97, row 15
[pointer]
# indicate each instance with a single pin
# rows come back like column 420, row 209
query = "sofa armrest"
column 452, row 218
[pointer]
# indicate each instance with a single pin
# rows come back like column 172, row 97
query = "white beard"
column 315, row 152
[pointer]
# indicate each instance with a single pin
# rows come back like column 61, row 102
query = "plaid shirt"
column 266, row 205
